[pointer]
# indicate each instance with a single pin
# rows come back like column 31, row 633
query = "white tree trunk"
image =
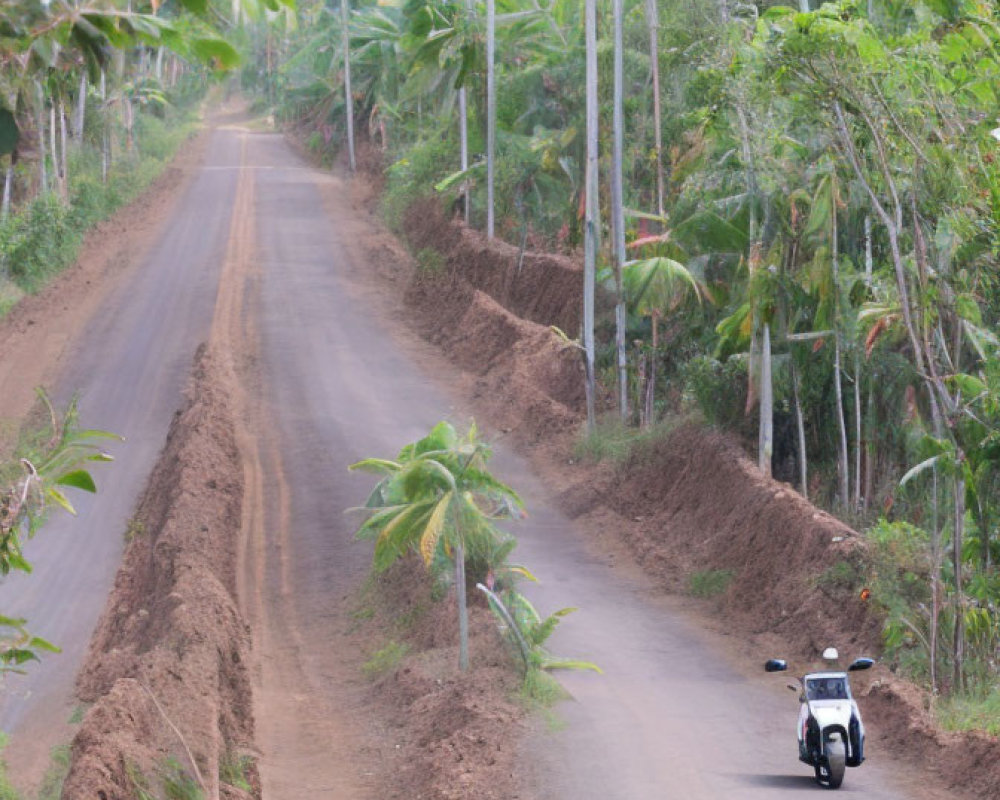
column 843, row 465
column 491, row 114
column 653, row 20
column 463, row 138
column 79, row 116
column 348, row 96
column 857, row 432
column 43, row 170
column 591, row 222
column 800, row 431
column 64, row 158
column 105, row 135
column 617, row 212
column 958, row 532
column 159, row 64
column 8, row 189
column 53, row 150
column 766, row 445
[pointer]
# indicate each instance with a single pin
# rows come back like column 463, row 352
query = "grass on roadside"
column 614, row 441
column 709, row 582
column 385, row 659
column 980, row 713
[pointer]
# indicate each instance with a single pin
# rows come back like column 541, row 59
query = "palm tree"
column 438, row 497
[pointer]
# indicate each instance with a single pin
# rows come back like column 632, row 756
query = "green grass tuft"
column 710, row 582
column 235, row 770
column 385, row 660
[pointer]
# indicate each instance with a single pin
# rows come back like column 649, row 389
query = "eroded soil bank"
column 167, row 671
column 691, row 502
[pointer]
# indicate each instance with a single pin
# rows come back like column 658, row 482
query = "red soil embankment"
column 690, row 502
column 167, row 670
column 532, row 286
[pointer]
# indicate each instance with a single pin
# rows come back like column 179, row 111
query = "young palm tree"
column 438, row 497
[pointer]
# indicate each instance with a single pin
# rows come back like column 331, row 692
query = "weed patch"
column 55, row 775
column 235, row 770
column 710, row 582
column 385, row 659
column 971, row 713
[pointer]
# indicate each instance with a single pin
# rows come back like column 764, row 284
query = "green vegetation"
column 439, row 499
column 805, row 245
column 234, row 770
column 979, row 712
column 709, row 583
column 55, row 775
column 7, row 791
column 37, row 479
column 384, row 660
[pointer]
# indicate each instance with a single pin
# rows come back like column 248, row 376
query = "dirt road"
column 333, row 375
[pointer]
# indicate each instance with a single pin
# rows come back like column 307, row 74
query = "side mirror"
column 775, row 665
column 861, row 663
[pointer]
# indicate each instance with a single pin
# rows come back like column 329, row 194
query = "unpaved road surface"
column 331, row 375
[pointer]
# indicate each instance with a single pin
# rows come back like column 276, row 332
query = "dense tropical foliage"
column 809, row 210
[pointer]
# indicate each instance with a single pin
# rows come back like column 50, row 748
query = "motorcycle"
column 830, row 731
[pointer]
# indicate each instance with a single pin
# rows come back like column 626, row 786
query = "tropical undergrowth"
column 42, row 236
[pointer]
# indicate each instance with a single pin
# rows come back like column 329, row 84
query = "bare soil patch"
column 451, row 735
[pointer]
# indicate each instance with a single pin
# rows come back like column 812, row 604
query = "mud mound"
column 529, row 377
column 454, row 734
column 539, row 287
column 167, row 667
column 966, row 762
column 775, row 544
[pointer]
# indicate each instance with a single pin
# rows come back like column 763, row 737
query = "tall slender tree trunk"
column 653, row 20
column 766, row 444
column 800, row 432
column 958, row 530
column 64, row 158
column 53, row 149
column 8, row 189
column 649, row 415
column 617, row 211
column 79, row 115
column 491, row 113
column 858, row 444
column 935, row 584
column 159, row 63
column 463, row 611
column 843, row 468
column 105, row 133
column 463, row 139
column 591, row 221
column 43, row 173
column 348, row 95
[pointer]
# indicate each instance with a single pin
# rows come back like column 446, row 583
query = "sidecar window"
column 826, row 689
